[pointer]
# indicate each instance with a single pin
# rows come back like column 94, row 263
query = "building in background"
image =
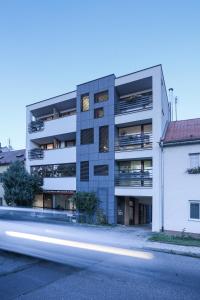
column 6, row 158
column 181, row 177
column 104, row 138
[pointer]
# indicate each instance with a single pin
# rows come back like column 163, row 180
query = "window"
column 101, row 170
column 60, row 170
column 85, row 102
column 103, row 139
column 84, row 172
column 1, row 177
column 1, row 201
column 100, row 97
column 98, row 113
column 195, row 210
column 87, row 136
column 70, row 143
column 194, row 160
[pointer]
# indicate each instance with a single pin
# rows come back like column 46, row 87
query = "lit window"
column 103, row 139
column 85, row 102
column 195, row 210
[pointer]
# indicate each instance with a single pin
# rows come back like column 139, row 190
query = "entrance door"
column 120, row 210
column 48, row 201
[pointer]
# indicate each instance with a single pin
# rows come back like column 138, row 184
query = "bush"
column 85, row 203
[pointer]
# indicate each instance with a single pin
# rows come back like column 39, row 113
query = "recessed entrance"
column 134, row 210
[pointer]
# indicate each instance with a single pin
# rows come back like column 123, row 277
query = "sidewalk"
column 173, row 249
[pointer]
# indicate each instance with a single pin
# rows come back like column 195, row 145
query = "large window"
column 84, row 171
column 103, row 139
column 85, row 102
column 100, row 97
column 60, row 170
column 195, row 210
column 194, row 160
column 101, row 170
column 87, row 136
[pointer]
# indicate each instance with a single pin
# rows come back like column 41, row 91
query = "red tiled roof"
column 185, row 130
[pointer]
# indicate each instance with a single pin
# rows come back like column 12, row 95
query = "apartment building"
column 8, row 156
column 104, row 138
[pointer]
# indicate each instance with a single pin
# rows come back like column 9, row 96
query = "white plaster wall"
column 134, row 192
column 55, row 127
column 179, row 188
column 60, row 184
column 133, row 117
column 56, row 156
column 133, row 154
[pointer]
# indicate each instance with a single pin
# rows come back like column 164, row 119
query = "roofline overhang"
column 180, row 143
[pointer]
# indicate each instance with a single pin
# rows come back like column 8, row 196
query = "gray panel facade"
column 103, row 186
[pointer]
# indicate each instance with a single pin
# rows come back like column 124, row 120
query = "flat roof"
column 159, row 65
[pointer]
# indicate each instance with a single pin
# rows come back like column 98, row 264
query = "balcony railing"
column 134, row 141
column 36, row 153
column 129, row 104
column 35, row 126
column 134, row 178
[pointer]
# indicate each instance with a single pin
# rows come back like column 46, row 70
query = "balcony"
column 133, row 142
column 57, row 155
column 54, row 127
column 134, row 103
column 36, row 153
column 134, row 178
column 36, row 126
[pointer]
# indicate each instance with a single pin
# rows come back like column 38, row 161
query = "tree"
column 85, row 202
column 20, row 187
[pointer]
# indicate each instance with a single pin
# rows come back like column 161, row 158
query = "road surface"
column 84, row 267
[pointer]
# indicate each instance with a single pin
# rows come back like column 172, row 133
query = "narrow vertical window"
column 85, row 102
column 195, row 210
column 103, row 139
column 84, row 171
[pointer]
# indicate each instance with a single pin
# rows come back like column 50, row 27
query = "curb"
column 171, row 251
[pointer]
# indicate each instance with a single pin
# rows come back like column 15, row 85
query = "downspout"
column 162, row 186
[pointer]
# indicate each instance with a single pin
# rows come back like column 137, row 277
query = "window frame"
column 82, row 102
column 98, row 94
column 196, row 155
column 95, row 110
column 82, row 178
column 194, row 202
column 101, row 166
column 81, row 136
column 100, row 135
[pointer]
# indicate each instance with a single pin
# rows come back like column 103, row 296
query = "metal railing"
column 36, row 153
column 137, row 103
column 133, row 141
column 35, row 126
column 134, row 178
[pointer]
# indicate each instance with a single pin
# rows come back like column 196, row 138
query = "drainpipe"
column 162, row 186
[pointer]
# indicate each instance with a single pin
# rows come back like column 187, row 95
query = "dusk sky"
column 48, row 47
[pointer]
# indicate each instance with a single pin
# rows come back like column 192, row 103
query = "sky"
column 48, row 47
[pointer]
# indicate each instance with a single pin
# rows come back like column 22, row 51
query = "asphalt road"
column 72, row 267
